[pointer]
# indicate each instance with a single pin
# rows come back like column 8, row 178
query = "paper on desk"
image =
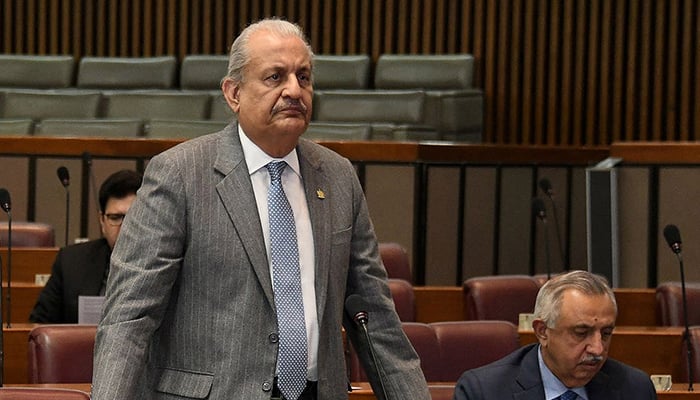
column 90, row 309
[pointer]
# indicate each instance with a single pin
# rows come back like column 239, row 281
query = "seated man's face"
column 577, row 347
column 111, row 219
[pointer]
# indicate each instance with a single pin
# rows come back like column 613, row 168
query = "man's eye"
column 274, row 77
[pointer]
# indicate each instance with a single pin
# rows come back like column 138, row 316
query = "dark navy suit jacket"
column 517, row 377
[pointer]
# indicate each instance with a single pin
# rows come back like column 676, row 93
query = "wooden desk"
column 635, row 306
column 654, row 350
column 15, row 344
column 23, row 297
column 439, row 390
column 27, row 262
column 439, row 303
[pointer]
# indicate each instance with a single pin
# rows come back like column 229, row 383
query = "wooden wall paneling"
column 602, row 105
column 672, row 77
column 685, row 85
column 502, row 61
column 619, row 64
column 592, row 82
column 695, row 125
column 538, row 109
column 570, row 64
column 637, row 33
column 658, row 69
column 553, row 95
column 525, row 119
column 490, row 108
column 478, row 44
column 514, row 67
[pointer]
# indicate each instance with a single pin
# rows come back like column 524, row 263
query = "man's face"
column 576, row 348
column 111, row 219
column 273, row 102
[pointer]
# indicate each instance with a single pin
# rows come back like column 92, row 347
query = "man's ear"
column 231, row 91
column 540, row 328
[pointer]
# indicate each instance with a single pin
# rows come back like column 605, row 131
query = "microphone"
column 6, row 205
column 5, row 202
column 546, row 187
column 539, row 212
column 673, row 238
column 64, row 177
column 356, row 307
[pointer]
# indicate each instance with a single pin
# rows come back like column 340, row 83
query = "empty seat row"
column 59, row 72
column 80, row 104
column 406, row 97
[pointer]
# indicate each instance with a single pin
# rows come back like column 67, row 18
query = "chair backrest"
column 180, row 129
column 41, row 393
column 43, row 104
column 127, row 72
column 337, row 131
column 28, row 234
column 61, row 353
column 220, row 110
column 202, row 72
column 110, row 128
column 447, row 349
column 341, row 72
column 37, row 72
column 404, row 299
column 16, row 127
column 157, row 105
column 669, row 303
column 395, row 259
column 424, row 71
column 367, row 106
column 500, row 297
column 470, row 344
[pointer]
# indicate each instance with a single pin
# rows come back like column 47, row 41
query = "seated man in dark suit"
column 574, row 320
column 81, row 269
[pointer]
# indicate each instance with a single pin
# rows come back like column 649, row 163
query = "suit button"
column 266, row 386
column 274, row 338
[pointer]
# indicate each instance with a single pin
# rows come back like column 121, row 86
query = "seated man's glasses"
column 114, row 219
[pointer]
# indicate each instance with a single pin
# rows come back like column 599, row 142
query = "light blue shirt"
column 553, row 388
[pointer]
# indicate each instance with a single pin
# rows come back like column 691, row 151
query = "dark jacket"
column 517, row 376
column 78, row 270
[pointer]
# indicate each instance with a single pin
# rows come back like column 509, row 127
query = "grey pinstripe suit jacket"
column 189, row 311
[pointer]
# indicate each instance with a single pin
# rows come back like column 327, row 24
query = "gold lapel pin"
column 320, row 194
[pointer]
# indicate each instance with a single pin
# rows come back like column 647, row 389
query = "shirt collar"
column 256, row 158
column 553, row 388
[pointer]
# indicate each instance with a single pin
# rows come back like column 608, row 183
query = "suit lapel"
column 236, row 194
column 529, row 377
column 318, row 198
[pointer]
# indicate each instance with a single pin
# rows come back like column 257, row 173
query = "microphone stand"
column 9, row 267
column 2, row 344
column 67, row 213
column 556, row 227
column 361, row 319
column 686, row 334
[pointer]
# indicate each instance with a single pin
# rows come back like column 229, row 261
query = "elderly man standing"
column 231, row 273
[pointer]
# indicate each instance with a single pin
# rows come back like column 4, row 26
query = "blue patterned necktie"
column 292, row 357
column 569, row 395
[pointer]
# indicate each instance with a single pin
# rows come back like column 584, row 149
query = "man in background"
column 81, row 269
column 574, row 320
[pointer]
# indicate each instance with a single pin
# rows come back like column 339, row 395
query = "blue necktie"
column 568, row 395
column 286, row 282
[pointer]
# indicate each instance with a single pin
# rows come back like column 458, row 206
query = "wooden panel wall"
column 554, row 72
